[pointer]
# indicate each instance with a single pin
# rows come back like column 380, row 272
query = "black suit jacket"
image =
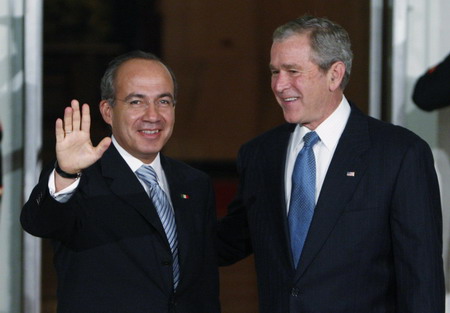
column 375, row 241
column 111, row 252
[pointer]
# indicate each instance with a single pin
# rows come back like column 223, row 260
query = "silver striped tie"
column 166, row 215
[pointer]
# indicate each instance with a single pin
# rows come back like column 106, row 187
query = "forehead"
column 142, row 72
column 295, row 48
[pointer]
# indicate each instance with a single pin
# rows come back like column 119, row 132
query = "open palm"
column 74, row 148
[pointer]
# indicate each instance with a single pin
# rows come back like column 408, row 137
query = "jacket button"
column 295, row 292
column 166, row 263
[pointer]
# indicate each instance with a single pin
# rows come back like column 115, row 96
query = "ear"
column 336, row 75
column 107, row 111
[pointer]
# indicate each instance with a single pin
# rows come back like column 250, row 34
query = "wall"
column 220, row 53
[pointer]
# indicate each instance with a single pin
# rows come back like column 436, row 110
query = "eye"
column 165, row 102
column 135, row 102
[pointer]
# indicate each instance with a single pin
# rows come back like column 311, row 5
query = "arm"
column 42, row 215
column 416, row 227
column 233, row 236
column 74, row 149
column 432, row 89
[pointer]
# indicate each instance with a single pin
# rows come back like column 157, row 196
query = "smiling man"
column 133, row 230
column 342, row 211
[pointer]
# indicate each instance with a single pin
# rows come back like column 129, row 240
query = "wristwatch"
column 65, row 174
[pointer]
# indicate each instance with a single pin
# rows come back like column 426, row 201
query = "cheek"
column 123, row 122
column 272, row 83
column 169, row 117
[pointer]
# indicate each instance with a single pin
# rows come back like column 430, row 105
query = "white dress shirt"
column 329, row 132
column 134, row 164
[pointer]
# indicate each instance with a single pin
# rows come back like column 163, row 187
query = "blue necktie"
column 303, row 195
column 166, row 215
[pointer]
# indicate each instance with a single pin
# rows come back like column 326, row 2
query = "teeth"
column 290, row 99
column 150, row 132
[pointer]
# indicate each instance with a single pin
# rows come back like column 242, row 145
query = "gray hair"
column 107, row 84
column 329, row 42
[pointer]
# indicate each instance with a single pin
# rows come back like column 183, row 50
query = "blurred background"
column 53, row 51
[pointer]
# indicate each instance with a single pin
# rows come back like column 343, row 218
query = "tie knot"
column 310, row 139
column 148, row 174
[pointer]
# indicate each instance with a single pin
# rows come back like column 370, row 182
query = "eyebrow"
column 285, row 66
column 166, row 94
column 134, row 95
column 141, row 96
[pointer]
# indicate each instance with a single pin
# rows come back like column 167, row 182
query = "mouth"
column 150, row 132
column 290, row 99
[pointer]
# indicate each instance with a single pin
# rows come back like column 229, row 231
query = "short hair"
column 329, row 42
column 107, row 84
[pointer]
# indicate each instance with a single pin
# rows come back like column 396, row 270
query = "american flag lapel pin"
column 351, row 174
column 184, row 196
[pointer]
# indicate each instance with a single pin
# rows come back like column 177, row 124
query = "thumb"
column 103, row 146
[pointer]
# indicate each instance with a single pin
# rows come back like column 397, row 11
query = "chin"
column 291, row 119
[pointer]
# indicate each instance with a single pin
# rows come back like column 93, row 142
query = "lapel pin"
column 184, row 196
column 351, row 174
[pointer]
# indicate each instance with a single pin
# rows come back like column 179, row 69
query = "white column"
column 33, row 145
column 11, row 112
column 376, row 64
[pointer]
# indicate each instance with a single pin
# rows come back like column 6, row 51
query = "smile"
column 150, row 132
column 290, row 99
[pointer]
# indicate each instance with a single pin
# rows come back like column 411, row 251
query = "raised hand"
column 74, row 148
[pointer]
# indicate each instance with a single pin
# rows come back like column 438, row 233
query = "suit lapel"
column 124, row 183
column 345, row 171
column 182, row 193
column 176, row 183
column 273, row 167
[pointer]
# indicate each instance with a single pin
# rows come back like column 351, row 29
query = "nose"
column 151, row 112
column 280, row 82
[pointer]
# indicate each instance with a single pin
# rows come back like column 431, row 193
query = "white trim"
column 399, row 54
column 32, row 146
column 375, row 57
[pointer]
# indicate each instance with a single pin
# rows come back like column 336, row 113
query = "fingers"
column 86, row 118
column 59, row 130
column 68, row 113
column 76, row 120
column 73, row 121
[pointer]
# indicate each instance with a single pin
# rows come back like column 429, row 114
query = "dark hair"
column 107, row 85
column 329, row 42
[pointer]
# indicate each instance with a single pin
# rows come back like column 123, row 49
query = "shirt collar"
column 329, row 130
column 134, row 163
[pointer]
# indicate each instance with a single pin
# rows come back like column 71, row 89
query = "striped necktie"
column 166, row 214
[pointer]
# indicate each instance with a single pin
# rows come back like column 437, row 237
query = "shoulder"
column 379, row 136
column 269, row 137
column 181, row 168
column 393, row 139
column 389, row 132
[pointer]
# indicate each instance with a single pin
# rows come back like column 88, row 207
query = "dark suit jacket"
column 111, row 252
column 374, row 244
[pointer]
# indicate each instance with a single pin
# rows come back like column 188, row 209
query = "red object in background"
column 225, row 190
